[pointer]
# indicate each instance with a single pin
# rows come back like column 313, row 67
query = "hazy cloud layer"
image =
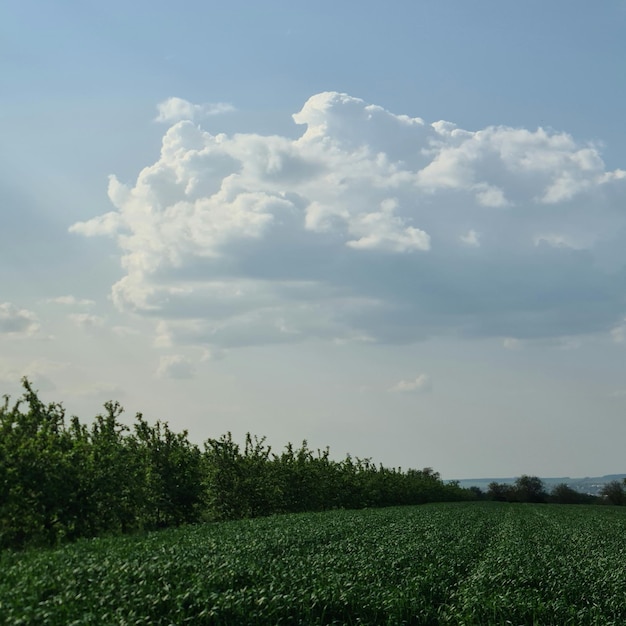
column 101, row 390
column 71, row 301
column 370, row 226
column 40, row 372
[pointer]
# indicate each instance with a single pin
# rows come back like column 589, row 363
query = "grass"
column 469, row 563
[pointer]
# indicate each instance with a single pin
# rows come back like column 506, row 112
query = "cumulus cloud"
column 420, row 384
column 107, row 224
column 175, row 366
column 16, row 322
column 176, row 109
column 369, row 226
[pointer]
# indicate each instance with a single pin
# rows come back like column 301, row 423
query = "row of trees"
column 532, row 489
column 61, row 479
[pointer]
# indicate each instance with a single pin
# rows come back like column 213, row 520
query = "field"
column 465, row 563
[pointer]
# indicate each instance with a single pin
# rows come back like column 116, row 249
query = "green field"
column 463, row 563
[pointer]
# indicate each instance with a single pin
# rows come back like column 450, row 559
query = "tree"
column 500, row 492
column 563, row 494
column 477, row 493
column 614, row 493
column 530, row 489
column 34, row 471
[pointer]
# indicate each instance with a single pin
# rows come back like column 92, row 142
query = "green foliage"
column 35, row 471
column 562, row 494
column 530, row 489
column 169, row 470
column 447, row 564
column 60, row 482
column 63, row 481
column 500, row 492
column 525, row 489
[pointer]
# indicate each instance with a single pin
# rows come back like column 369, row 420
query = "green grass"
column 471, row 563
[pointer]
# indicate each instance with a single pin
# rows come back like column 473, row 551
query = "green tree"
column 500, row 492
column 168, row 472
column 563, row 494
column 529, row 489
column 115, row 487
column 34, row 471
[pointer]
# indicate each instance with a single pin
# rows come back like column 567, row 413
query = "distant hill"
column 590, row 484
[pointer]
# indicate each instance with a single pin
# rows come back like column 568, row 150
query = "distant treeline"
column 532, row 489
column 61, row 480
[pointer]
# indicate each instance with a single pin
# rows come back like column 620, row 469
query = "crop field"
column 467, row 563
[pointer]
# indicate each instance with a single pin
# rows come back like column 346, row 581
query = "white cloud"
column 176, row 109
column 489, row 196
column 107, row 224
column 472, row 238
column 381, row 230
column 422, row 384
column 369, row 225
column 175, row 366
column 16, row 322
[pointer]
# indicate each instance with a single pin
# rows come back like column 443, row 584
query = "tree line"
column 61, row 479
column 532, row 489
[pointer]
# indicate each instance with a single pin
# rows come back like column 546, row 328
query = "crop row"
column 464, row 563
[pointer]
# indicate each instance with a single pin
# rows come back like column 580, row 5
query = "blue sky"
column 397, row 230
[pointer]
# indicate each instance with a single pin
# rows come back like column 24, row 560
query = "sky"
column 396, row 229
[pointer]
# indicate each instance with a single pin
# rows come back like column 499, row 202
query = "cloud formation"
column 421, row 383
column 176, row 109
column 175, row 366
column 370, row 226
column 16, row 322
column 85, row 321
